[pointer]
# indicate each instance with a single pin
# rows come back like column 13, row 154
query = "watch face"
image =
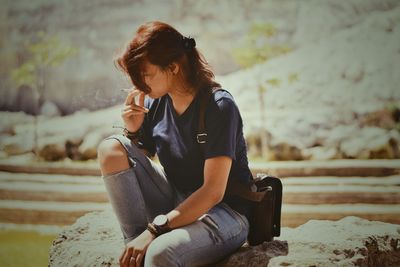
column 160, row 220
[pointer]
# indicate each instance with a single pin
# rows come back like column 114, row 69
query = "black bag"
column 265, row 222
column 265, row 196
column 264, row 192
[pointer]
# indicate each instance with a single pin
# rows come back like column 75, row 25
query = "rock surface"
column 75, row 136
column 336, row 104
column 95, row 240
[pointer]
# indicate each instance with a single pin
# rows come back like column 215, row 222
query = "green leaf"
column 48, row 52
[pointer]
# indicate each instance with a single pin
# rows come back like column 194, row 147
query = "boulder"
column 88, row 148
column 49, row 109
column 53, row 152
column 370, row 143
column 17, row 144
column 96, row 240
column 321, row 153
column 9, row 119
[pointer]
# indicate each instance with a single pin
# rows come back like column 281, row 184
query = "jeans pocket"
column 210, row 222
column 212, row 227
column 240, row 217
column 224, row 223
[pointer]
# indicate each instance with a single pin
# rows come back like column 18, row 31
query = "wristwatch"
column 159, row 226
column 132, row 135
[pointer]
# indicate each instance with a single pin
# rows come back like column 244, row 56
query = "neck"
column 181, row 100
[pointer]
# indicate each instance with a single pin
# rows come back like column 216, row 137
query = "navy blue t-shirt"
column 173, row 138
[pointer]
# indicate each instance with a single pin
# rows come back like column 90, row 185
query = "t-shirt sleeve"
column 222, row 124
column 146, row 138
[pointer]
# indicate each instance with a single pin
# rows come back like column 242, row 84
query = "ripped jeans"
column 142, row 192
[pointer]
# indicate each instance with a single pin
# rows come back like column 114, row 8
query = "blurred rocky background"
column 313, row 79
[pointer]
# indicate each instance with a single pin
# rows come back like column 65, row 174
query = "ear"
column 174, row 68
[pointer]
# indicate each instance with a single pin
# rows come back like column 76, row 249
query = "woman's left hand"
column 134, row 252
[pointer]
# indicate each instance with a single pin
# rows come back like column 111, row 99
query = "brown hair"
column 161, row 45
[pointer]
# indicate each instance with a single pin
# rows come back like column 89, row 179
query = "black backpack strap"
column 205, row 96
column 233, row 187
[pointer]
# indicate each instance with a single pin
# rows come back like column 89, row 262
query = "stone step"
column 304, row 197
column 341, row 198
column 48, row 196
column 328, row 168
column 6, row 177
column 293, row 215
column 314, row 190
column 290, row 180
column 46, row 213
column 392, row 180
column 378, row 167
column 312, row 195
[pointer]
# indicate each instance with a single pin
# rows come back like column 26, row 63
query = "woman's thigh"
column 158, row 194
column 211, row 238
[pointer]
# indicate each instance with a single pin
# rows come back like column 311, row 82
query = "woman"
column 180, row 215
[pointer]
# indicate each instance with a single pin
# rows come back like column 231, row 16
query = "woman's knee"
column 163, row 252
column 112, row 156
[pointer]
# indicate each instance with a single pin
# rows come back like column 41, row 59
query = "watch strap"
column 157, row 230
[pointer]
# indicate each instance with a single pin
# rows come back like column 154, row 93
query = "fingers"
column 129, row 259
column 121, row 258
column 124, row 261
column 128, row 114
column 139, row 260
column 136, row 108
column 132, row 262
column 131, row 96
column 141, row 99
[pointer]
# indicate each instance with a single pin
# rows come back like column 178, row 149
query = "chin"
column 156, row 95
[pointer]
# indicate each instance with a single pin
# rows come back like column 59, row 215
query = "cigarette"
column 127, row 90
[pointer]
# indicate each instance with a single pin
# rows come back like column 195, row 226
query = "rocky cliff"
column 95, row 240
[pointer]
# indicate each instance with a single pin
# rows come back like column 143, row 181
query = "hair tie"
column 188, row 43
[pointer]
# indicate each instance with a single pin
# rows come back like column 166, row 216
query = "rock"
column 285, row 151
column 337, row 80
column 49, row 109
column 95, row 239
column 255, row 256
column 72, row 148
column 75, row 136
column 369, row 143
column 334, row 137
column 395, row 142
column 326, row 104
column 321, row 153
column 9, row 119
column 351, row 241
column 17, row 144
column 54, row 147
column 88, row 148
column 381, row 118
column 53, row 152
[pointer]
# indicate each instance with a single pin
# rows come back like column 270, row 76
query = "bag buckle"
column 201, row 138
column 261, row 175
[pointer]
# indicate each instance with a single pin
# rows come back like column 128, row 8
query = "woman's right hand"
column 133, row 113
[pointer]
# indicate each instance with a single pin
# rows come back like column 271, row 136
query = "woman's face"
column 158, row 80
